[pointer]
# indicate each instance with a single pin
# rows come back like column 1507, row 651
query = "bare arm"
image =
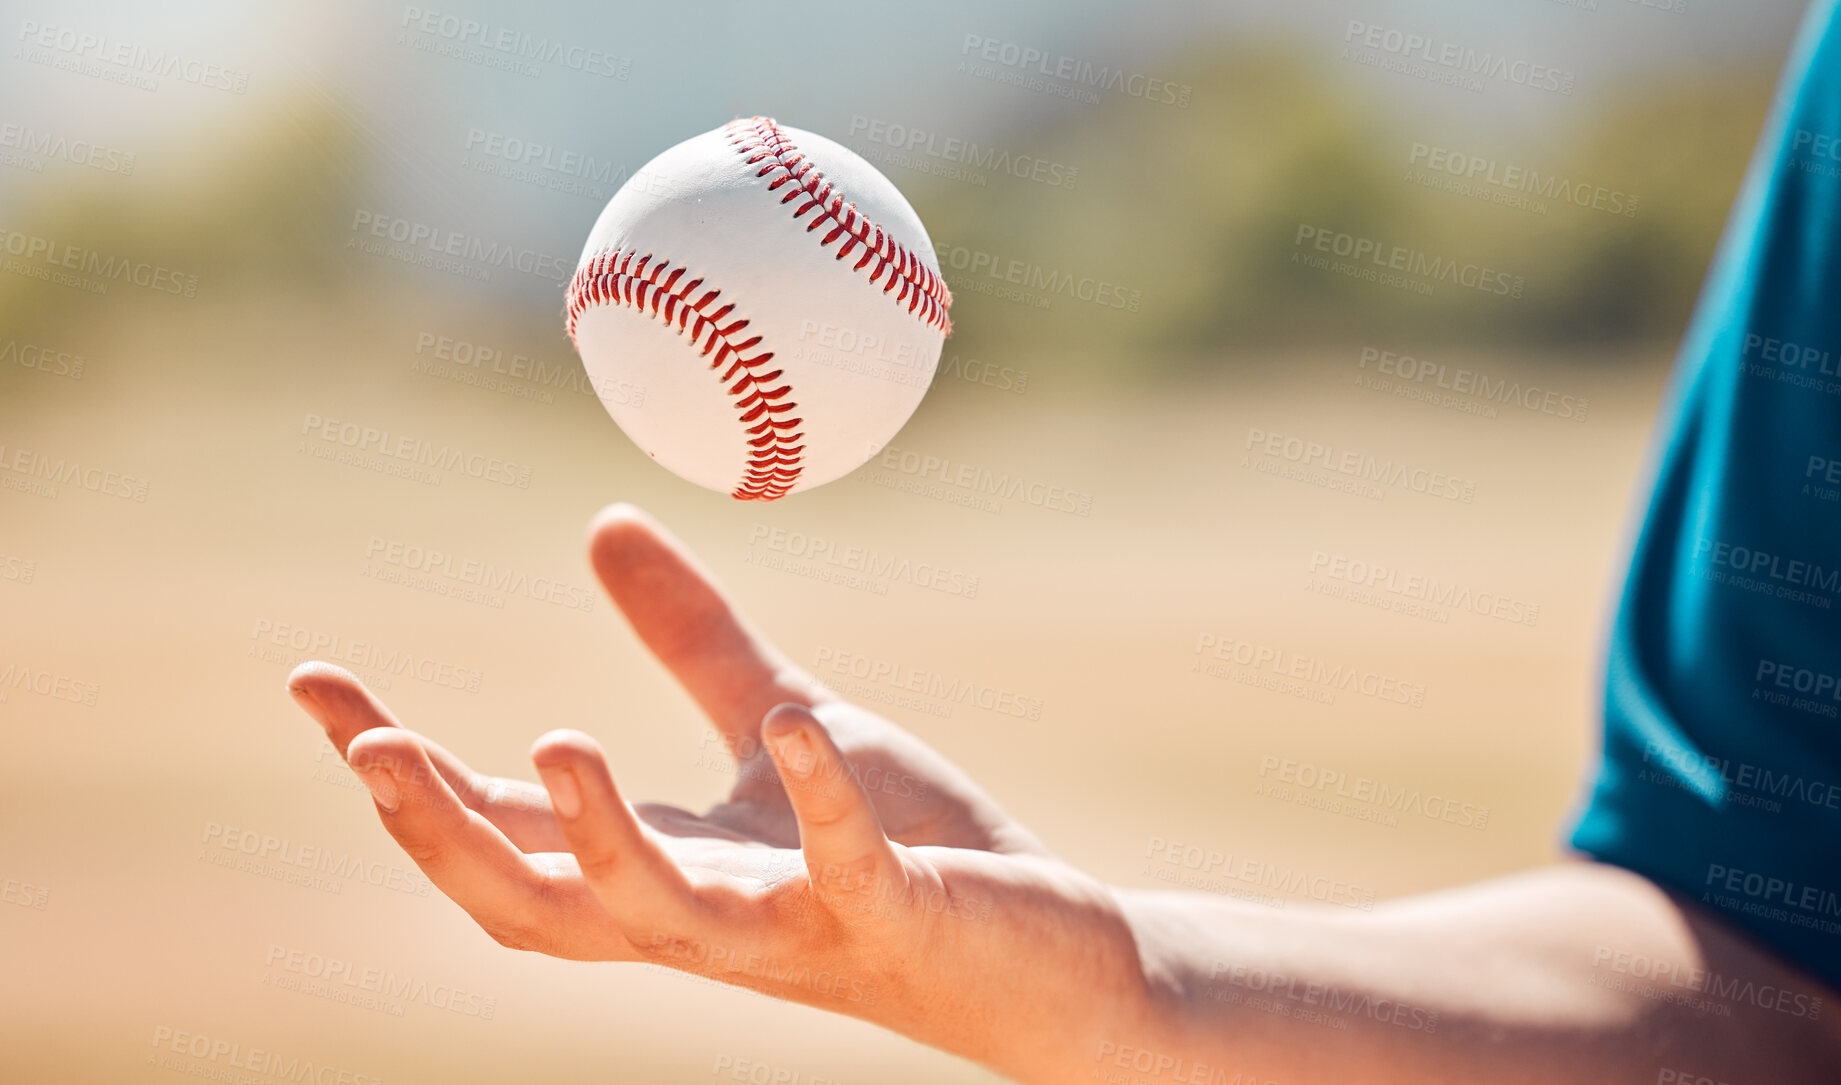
column 1574, row 973
column 855, row 869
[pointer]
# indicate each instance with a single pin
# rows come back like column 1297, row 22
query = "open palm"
column 847, row 853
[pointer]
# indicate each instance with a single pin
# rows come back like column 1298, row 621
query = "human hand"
column 852, row 867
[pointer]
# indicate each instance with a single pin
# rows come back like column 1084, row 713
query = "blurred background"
column 1188, row 242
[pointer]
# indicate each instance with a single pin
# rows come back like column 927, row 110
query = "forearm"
column 1547, row 976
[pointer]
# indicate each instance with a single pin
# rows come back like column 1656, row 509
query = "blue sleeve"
column 1721, row 769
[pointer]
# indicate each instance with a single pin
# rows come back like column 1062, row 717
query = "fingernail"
column 796, row 752
column 565, row 792
column 382, row 787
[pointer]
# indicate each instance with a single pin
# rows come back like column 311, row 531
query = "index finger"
column 682, row 615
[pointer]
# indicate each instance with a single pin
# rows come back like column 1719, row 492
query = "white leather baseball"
column 774, row 301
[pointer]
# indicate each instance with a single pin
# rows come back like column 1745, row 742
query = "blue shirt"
column 1721, row 772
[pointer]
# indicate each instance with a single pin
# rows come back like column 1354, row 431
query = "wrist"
column 1134, row 1027
column 1049, row 991
column 1183, row 1034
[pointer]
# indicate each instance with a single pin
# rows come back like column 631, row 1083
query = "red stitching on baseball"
column 621, row 277
column 761, row 141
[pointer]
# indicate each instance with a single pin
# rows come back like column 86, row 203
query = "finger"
column 846, row 851
column 505, row 891
column 635, row 880
column 682, row 615
column 345, row 708
column 340, row 703
column 517, row 808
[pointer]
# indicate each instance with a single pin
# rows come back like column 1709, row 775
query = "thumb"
column 847, row 856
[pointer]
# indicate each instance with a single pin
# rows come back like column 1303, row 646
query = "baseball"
column 774, row 301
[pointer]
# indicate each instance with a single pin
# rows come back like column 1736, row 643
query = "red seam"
column 760, row 141
column 688, row 303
